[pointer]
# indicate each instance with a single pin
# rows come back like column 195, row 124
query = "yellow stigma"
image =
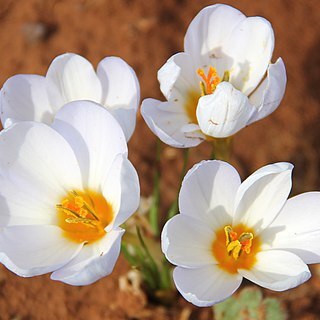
column 210, row 81
column 83, row 215
column 235, row 248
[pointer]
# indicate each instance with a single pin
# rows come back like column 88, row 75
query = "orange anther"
column 233, row 235
column 210, row 81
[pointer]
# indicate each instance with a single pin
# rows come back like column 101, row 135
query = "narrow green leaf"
column 154, row 210
column 173, row 210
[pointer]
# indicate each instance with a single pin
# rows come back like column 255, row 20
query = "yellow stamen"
column 226, row 76
column 234, row 245
column 233, row 252
column 84, row 215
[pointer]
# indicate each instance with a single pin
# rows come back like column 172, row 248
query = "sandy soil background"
column 146, row 34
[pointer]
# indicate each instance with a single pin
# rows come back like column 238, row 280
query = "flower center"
column 208, row 85
column 84, row 215
column 235, row 248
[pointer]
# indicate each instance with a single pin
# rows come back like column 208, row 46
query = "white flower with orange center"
column 227, row 230
column 71, row 77
column 222, row 82
column 64, row 191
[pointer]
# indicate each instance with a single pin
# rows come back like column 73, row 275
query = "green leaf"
column 249, row 305
column 229, row 309
column 274, row 310
column 173, row 210
column 154, row 210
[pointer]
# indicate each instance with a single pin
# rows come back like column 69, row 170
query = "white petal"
column 122, row 190
column 262, row 195
column 224, row 112
column 18, row 207
column 249, row 49
column 127, row 120
column 71, row 77
column 33, row 250
column 277, row 270
column 24, row 97
column 205, row 286
column 95, row 261
column 268, row 95
column 167, row 120
column 178, row 78
column 208, row 193
column 120, row 91
column 187, row 242
column 94, row 135
column 120, row 86
column 37, row 160
column 297, row 228
column 208, row 33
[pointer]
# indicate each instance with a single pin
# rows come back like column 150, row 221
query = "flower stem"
column 154, row 210
column 174, row 207
column 138, row 255
column 147, row 252
column 144, row 254
column 221, row 148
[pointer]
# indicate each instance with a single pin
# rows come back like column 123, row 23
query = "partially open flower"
column 227, row 230
column 222, row 82
column 71, row 77
column 64, row 192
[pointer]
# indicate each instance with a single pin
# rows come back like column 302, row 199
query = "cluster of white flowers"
column 66, row 184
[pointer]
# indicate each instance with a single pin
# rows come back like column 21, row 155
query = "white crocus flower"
column 71, row 77
column 222, row 82
column 64, row 192
column 228, row 230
